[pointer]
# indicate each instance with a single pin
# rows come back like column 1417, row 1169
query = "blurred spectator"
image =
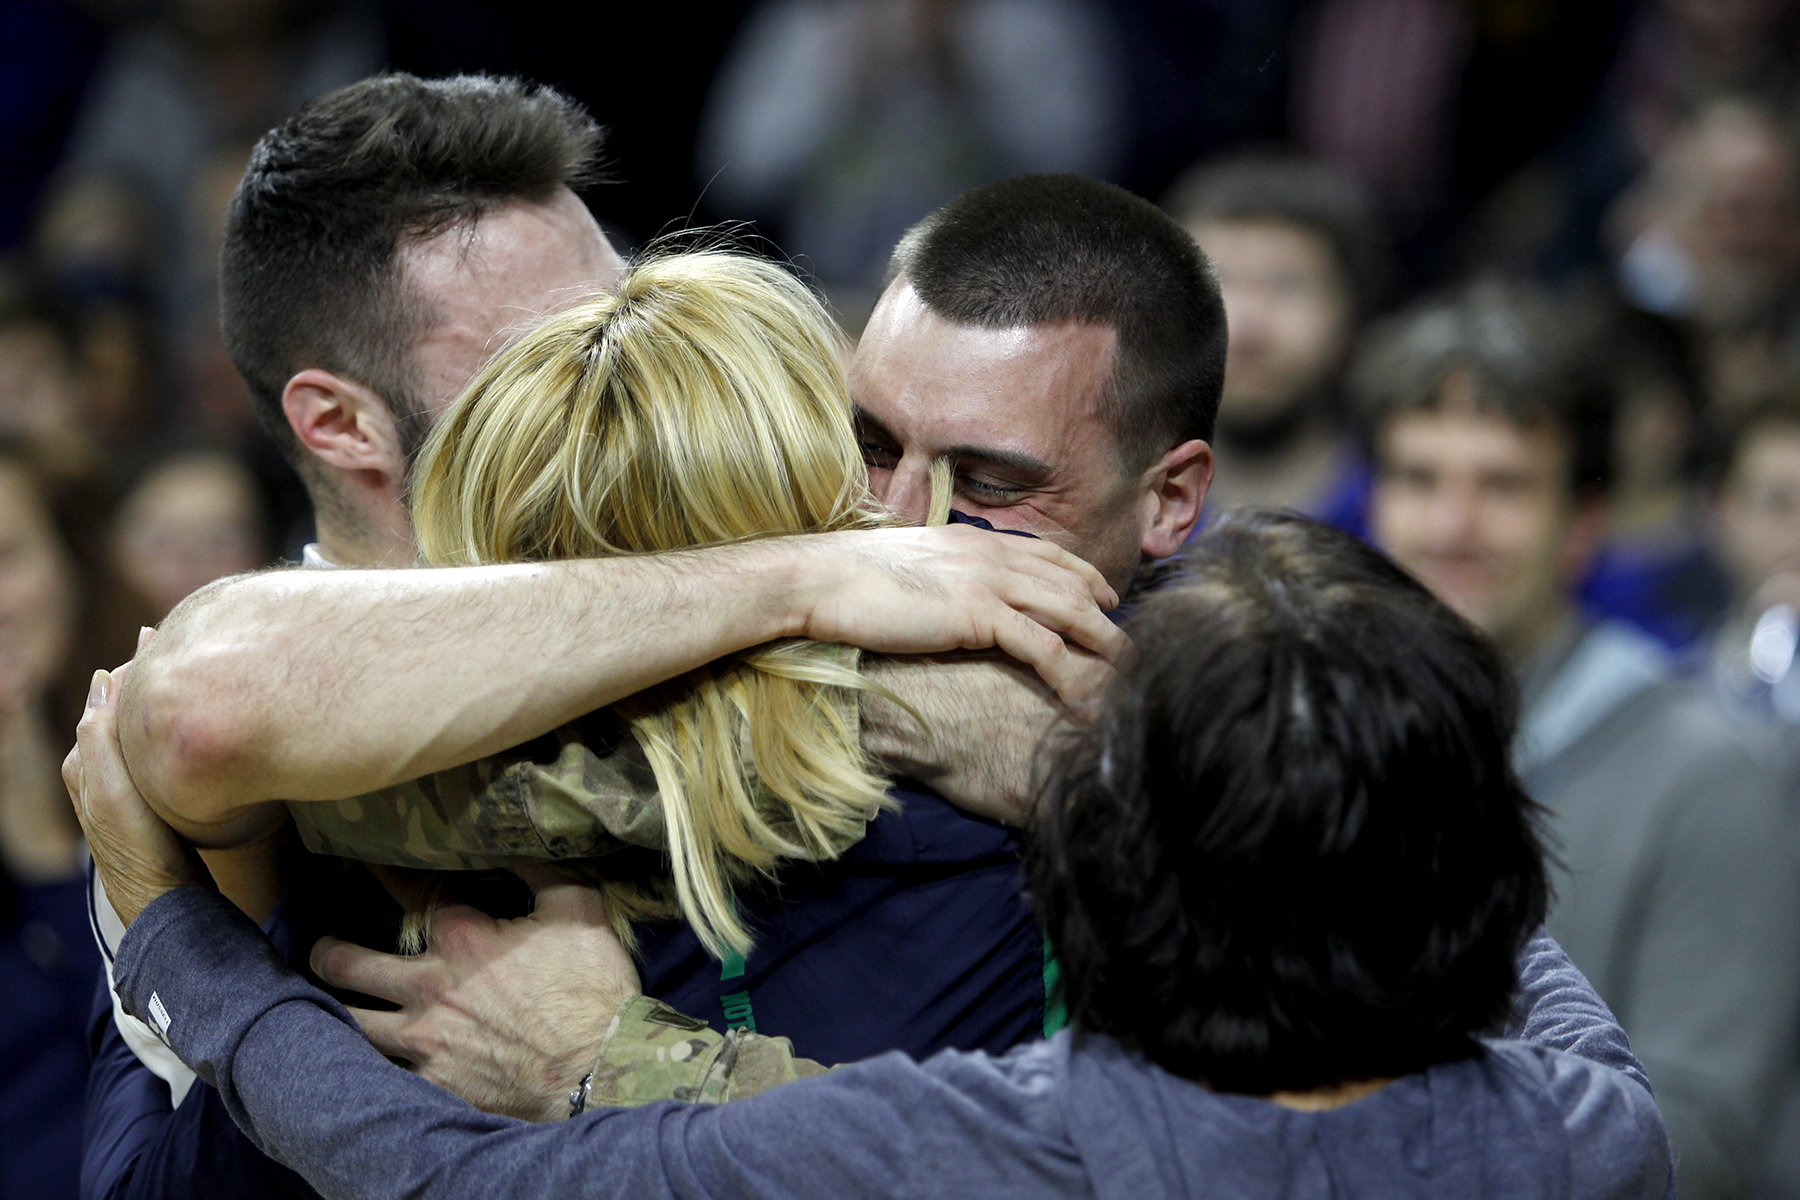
column 1751, row 656
column 94, row 250
column 203, row 75
column 1682, row 51
column 193, row 517
column 1655, row 568
column 1711, row 237
column 1678, row 893
column 1300, row 261
column 1758, row 519
column 47, row 956
column 215, row 401
column 1375, row 95
column 43, row 397
column 1675, row 56
column 1433, row 104
column 1204, row 75
column 845, row 121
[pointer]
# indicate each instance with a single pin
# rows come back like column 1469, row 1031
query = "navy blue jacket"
column 48, row 964
column 916, row 939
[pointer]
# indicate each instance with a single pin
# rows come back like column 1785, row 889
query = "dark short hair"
column 309, row 274
column 1528, row 356
column 1290, row 849
column 1278, row 186
column 1046, row 248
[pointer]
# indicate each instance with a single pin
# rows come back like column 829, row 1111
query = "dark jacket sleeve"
column 291, row 1067
column 137, row 1147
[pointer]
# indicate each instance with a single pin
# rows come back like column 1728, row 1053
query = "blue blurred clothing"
column 1674, row 593
column 49, row 964
column 1343, row 503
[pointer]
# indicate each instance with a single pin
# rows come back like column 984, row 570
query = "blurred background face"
column 41, row 400
column 192, row 520
column 1759, row 508
column 37, row 383
column 1288, row 311
column 36, row 591
column 1480, row 510
column 1731, row 203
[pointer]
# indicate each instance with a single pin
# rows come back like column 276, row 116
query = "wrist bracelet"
column 579, row 1097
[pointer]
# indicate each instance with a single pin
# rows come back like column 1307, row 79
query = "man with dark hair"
column 1231, row 858
column 384, row 242
column 1677, row 893
column 381, row 243
column 1300, row 259
column 1062, row 343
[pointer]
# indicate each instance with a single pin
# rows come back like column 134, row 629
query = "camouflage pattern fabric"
column 581, row 791
column 652, row 1053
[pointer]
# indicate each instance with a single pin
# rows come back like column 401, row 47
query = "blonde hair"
column 702, row 404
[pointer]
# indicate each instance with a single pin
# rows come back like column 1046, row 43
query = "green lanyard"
column 1056, row 1013
column 736, row 1004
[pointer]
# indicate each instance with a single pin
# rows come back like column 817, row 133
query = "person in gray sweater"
column 1293, row 882
column 1676, row 891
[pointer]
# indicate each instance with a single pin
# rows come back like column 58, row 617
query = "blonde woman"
column 770, row 878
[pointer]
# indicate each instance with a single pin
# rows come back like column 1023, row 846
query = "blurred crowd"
column 1513, row 290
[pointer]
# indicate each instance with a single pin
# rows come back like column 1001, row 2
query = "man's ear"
column 1174, row 491
column 344, row 424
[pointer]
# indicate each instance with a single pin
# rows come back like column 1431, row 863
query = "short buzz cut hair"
column 309, row 275
column 1525, row 356
column 1289, row 848
column 1040, row 249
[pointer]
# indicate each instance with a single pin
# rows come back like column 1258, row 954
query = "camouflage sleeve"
column 652, row 1052
column 581, row 791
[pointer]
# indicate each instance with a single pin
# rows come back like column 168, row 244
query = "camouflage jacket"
column 582, row 791
column 651, row 1052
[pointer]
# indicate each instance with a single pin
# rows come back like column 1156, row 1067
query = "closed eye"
column 986, row 492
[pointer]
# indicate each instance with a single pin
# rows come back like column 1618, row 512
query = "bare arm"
column 320, row 685
column 983, row 718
